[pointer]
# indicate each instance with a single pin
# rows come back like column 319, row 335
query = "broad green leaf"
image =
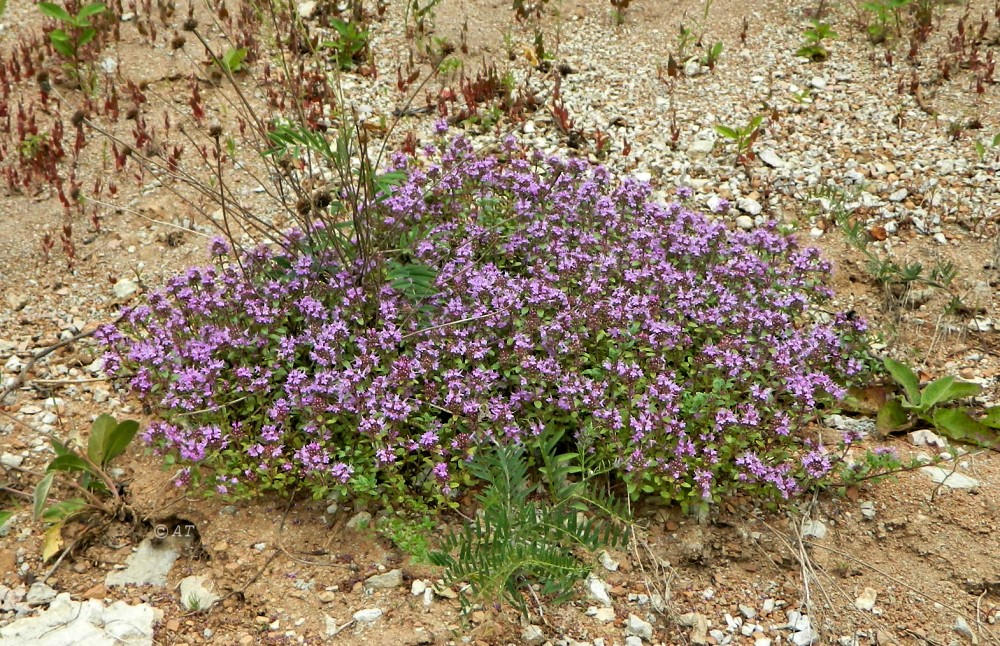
column 69, row 463
column 86, row 35
column 755, row 123
column 118, row 439
column 54, row 11
column 42, row 494
column 5, row 515
column 59, row 447
column 958, row 425
column 935, row 392
column 996, row 140
column 3, row 7
column 961, row 390
column 905, row 378
column 52, row 542
column 61, row 511
column 891, row 417
column 727, row 132
column 91, row 10
column 99, row 432
column 992, row 418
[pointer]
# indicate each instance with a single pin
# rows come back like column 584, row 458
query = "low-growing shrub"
column 514, row 293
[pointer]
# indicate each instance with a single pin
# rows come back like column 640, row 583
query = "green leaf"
column 996, row 140
column 958, row 425
column 99, row 432
column 891, row 417
column 59, row 447
column 905, row 378
column 69, row 463
column 42, row 494
column 961, row 390
column 86, row 35
column 992, row 418
column 727, row 132
column 4, row 515
column 54, row 11
column 91, row 10
column 936, row 392
column 3, row 8
column 119, row 439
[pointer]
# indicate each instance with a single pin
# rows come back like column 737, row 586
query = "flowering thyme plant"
column 521, row 294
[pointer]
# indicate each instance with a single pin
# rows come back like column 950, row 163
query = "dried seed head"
column 78, row 118
column 215, row 130
column 177, row 41
column 190, row 24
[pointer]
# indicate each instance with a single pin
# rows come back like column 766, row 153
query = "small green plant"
column 350, row 45
column 192, row 603
column 713, row 55
column 619, row 9
column 526, row 533
column 88, row 476
column 232, row 61
column 744, row 137
column 814, row 35
column 928, row 405
column 409, row 535
column 983, row 148
column 76, row 34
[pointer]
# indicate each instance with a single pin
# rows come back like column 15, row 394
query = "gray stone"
column 962, row 628
column 744, row 222
column 702, row 145
column 771, row 158
column 598, row 590
column 387, row 581
column 417, row 587
column 368, row 615
column 148, row 565
column 868, row 510
column 698, row 624
column 12, row 461
column 950, row 479
column 607, row 562
column 360, row 520
column 639, row 627
column 330, row 625
column 39, row 594
column 814, row 529
column 124, row 288
column 762, row 641
column 749, row 205
column 692, row 67
column 747, row 611
column 805, row 637
column 532, row 635
column 306, row 9
column 90, row 622
column 923, row 437
column 198, row 593
column 603, row 615
column 632, row 640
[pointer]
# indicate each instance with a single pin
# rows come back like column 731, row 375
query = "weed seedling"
column 744, row 137
column 70, row 41
column 815, row 34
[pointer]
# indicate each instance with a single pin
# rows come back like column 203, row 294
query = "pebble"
column 124, row 288
column 417, row 587
column 867, row 510
column 744, row 222
column 603, row 614
column 360, row 520
column 598, row 590
column 532, row 635
column 814, row 529
column 607, row 562
column 387, row 581
column 698, row 624
column 368, row 615
column 866, row 600
column 639, row 627
column 951, row 479
column 749, row 205
column 11, row 461
column 962, row 628
column 632, row 640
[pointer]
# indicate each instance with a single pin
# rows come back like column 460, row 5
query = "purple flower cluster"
column 682, row 352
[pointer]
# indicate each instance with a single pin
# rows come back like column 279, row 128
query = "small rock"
column 306, row 9
column 805, row 637
column 701, row 146
column 950, row 479
column 387, row 581
column 124, row 288
column 360, row 520
column 632, row 640
column 692, row 67
column 744, row 222
column 898, row 196
column 197, row 593
column 445, row 592
column 814, row 529
column 639, row 627
column 39, row 594
column 749, row 205
column 698, row 624
column 923, row 437
column 417, row 587
column 962, row 628
column 604, row 615
column 532, row 635
column 368, row 615
column 17, row 302
column 866, row 600
column 762, row 641
column 747, row 611
column 818, row 82
column 11, row 461
column 868, row 510
column 598, row 590
column 771, row 158
column 607, row 562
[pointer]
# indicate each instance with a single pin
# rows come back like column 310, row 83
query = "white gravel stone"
column 598, row 590
column 368, row 615
column 866, row 600
column 639, row 627
column 951, row 479
column 744, row 222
